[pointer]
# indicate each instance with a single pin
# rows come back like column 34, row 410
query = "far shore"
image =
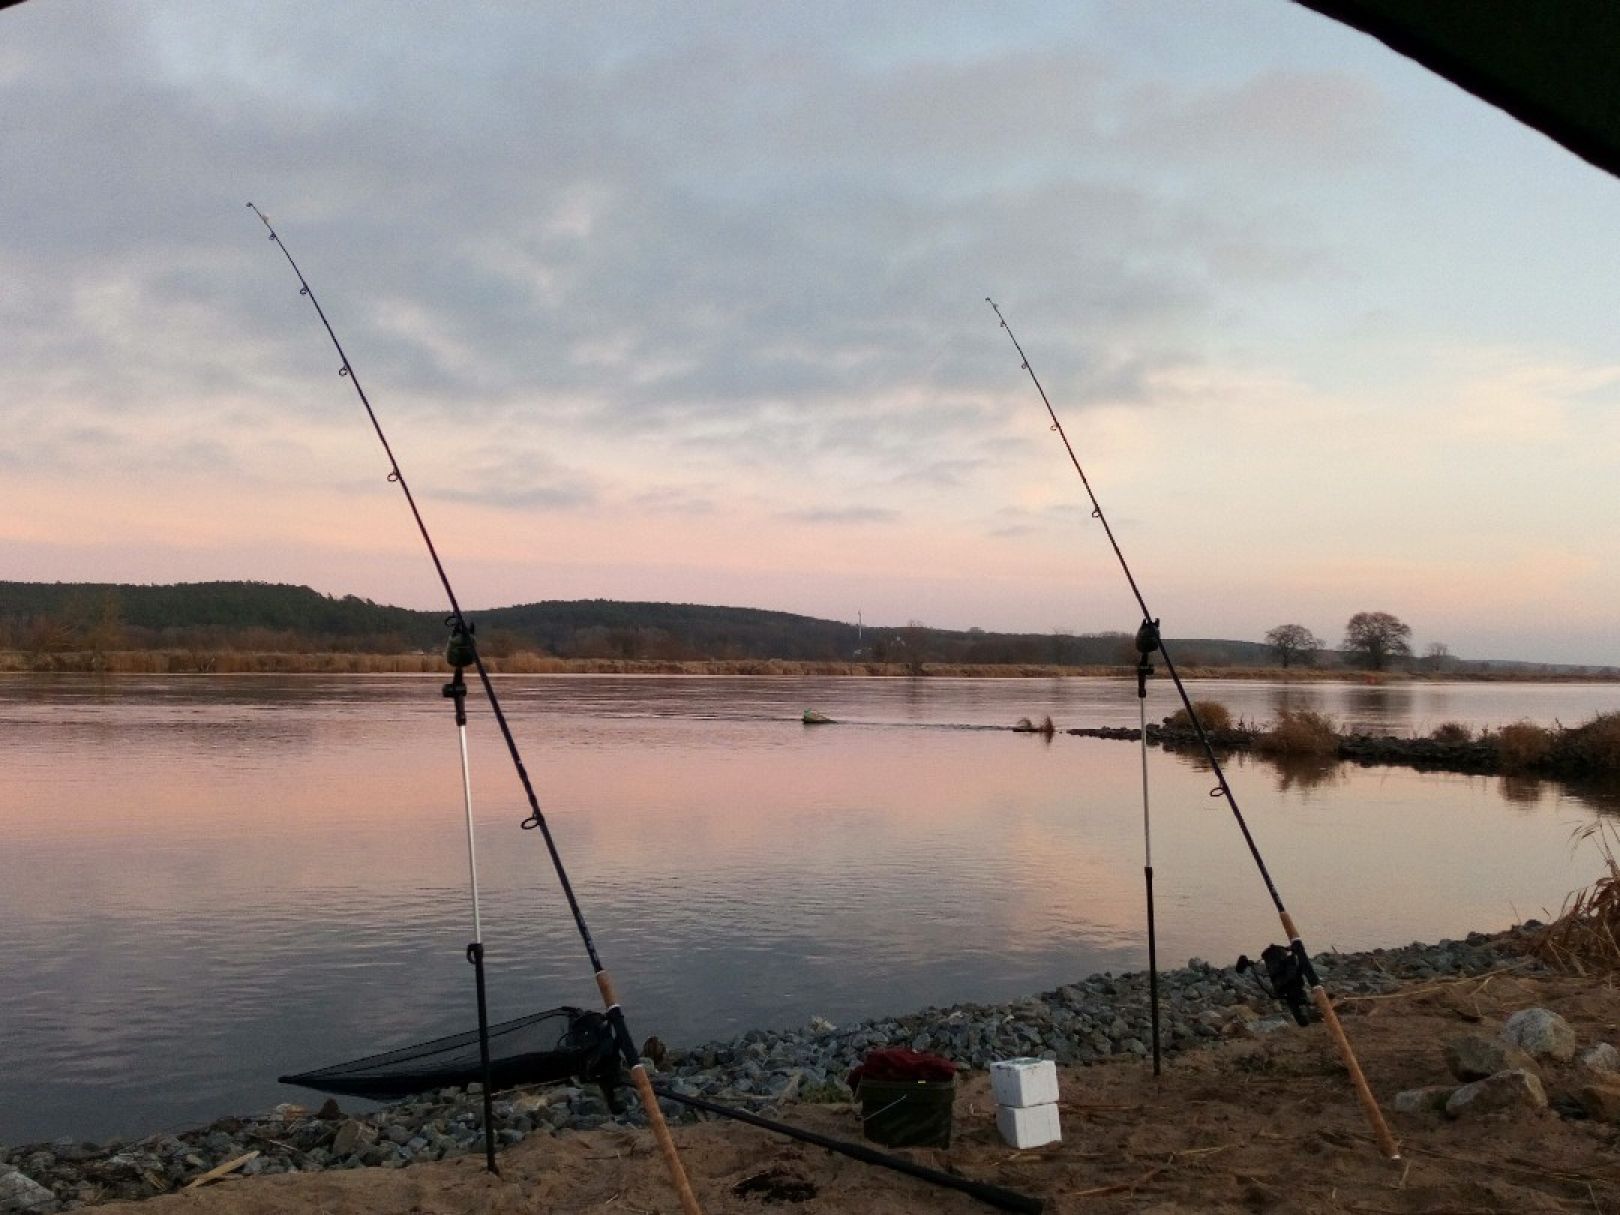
column 250, row 662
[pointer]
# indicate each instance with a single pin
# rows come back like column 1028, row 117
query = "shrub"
column 1026, row 726
column 1452, row 732
column 1300, row 732
column 1522, row 745
column 1595, row 746
column 1215, row 716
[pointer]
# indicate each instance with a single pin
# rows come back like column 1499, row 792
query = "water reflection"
column 1522, row 790
column 205, row 882
column 1291, row 697
column 1305, row 772
column 1602, row 795
column 1377, row 708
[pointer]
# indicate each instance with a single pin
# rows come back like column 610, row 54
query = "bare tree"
column 1437, row 657
column 1293, row 642
column 913, row 646
column 1371, row 639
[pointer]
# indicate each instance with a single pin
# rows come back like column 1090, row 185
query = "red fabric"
column 899, row 1063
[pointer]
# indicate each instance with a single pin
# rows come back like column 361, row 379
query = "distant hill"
column 56, row 617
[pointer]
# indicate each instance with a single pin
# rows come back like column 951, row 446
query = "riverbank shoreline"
column 246, row 662
column 1588, row 753
column 1098, row 1019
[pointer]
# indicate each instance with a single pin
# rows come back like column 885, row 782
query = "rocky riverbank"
column 1098, row 1018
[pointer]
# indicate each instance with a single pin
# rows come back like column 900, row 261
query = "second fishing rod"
column 1150, row 626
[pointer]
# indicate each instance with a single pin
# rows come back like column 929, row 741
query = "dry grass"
column 1215, row 717
column 236, row 662
column 1585, row 936
column 1595, row 746
column 1452, row 732
column 1300, row 732
column 1522, row 745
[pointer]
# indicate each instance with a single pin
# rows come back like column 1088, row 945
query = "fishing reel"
column 1147, row 641
column 590, row 1036
column 459, row 653
column 1285, row 979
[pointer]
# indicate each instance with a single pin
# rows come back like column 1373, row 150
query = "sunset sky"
column 686, row 302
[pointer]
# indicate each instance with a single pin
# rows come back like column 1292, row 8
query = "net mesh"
column 558, row 1044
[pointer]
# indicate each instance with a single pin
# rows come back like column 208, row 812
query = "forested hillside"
column 40, row 620
column 45, row 618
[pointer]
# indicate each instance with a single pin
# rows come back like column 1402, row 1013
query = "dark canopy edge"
column 1554, row 66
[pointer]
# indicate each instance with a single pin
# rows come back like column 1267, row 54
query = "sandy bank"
column 1254, row 1125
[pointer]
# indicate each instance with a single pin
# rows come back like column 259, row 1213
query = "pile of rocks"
column 1534, row 1050
column 1096, row 1018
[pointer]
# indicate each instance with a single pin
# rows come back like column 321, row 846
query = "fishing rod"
column 994, row 1195
column 1319, row 996
column 536, row 819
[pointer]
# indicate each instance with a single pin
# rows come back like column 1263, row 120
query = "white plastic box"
column 1028, row 1126
column 1021, row 1083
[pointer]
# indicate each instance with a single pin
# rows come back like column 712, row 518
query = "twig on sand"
column 1531, row 1168
column 1184, row 1153
column 219, row 1170
column 1123, row 1187
column 1432, row 987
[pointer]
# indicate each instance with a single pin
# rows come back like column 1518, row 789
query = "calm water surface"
column 208, row 881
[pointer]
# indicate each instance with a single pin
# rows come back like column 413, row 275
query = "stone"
column 1431, row 1098
column 330, row 1111
column 1599, row 1060
column 1259, row 1027
column 1542, row 1033
column 1601, row 1098
column 820, row 1025
column 20, row 1192
column 1475, row 1056
column 1510, row 1090
column 352, row 1135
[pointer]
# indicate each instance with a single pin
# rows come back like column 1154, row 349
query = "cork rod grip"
column 655, row 1114
column 666, row 1144
column 1364, row 1094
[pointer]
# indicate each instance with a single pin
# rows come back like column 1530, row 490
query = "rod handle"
column 655, row 1113
column 1364, row 1094
column 666, row 1143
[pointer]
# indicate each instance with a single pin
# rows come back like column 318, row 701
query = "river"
column 207, row 881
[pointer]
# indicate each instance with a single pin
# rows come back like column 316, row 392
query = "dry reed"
column 1300, row 732
column 1215, row 716
column 1523, row 745
column 1585, row 935
column 1452, row 732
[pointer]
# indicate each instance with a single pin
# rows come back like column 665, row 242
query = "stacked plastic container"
column 1026, row 1101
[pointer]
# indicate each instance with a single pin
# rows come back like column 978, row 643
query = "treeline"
column 63, row 617
column 43, row 619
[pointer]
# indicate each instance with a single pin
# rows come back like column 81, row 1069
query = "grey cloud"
column 840, row 514
column 717, row 231
column 675, row 500
column 511, row 477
